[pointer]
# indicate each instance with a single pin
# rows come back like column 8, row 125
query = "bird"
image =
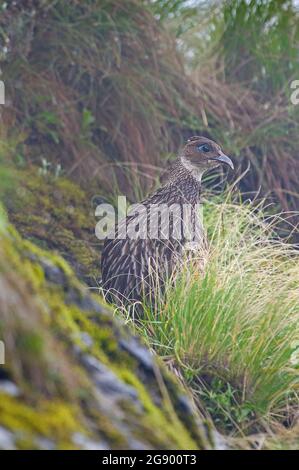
column 148, row 244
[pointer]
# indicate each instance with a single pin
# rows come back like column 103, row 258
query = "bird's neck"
column 183, row 179
column 196, row 173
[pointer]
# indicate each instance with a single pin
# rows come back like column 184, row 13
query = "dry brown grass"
column 101, row 88
column 250, row 123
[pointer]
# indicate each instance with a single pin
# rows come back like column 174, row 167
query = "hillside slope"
column 74, row 377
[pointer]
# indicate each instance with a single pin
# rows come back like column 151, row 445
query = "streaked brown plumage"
column 132, row 268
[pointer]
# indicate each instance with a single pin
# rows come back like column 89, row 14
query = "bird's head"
column 201, row 154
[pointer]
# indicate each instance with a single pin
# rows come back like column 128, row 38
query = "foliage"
column 243, row 56
column 56, row 214
column 77, row 382
column 231, row 328
column 100, row 92
column 101, row 88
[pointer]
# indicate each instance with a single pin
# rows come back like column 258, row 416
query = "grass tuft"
column 231, row 332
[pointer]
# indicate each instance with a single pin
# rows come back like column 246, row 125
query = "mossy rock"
column 57, row 214
column 74, row 376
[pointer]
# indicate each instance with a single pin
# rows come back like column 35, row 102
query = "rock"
column 139, row 352
column 10, row 388
column 44, row 444
column 6, row 439
column 87, row 339
column 107, row 381
column 220, row 441
column 185, row 405
column 87, row 444
column 83, row 301
column 104, row 394
column 53, row 273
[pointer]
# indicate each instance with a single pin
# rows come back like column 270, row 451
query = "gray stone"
column 107, row 381
column 45, row 444
column 10, row 388
column 7, row 441
column 139, row 352
column 83, row 301
column 87, row 339
column 88, row 444
column 52, row 272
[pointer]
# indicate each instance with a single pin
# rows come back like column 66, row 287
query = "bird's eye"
column 204, row 148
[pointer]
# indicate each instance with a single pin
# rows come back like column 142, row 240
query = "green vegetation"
column 242, row 56
column 72, row 376
column 100, row 94
column 92, row 95
column 60, row 218
column 232, row 330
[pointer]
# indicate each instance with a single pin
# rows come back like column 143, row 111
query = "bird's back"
column 147, row 249
column 135, row 267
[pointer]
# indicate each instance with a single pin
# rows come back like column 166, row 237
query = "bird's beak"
column 222, row 158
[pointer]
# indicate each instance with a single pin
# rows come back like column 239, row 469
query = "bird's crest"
column 194, row 138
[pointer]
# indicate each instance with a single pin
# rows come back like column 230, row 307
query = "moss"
column 164, row 427
column 46, row 314
column 56, row 213
column 107, row 430
column 30, row 342
column 103, row 338
column 54, row 420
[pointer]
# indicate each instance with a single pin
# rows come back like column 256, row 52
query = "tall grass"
column 231, row 332
column 242, row 56
column 100, row 85
column 96, row 86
